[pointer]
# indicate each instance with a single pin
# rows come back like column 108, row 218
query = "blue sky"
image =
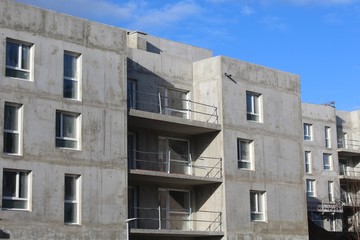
column 317, row 39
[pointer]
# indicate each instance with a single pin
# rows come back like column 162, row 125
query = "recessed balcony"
column 167, row 222
column 171, row 166
column 171, row 110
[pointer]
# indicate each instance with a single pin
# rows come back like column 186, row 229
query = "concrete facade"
column 170, row 141
column 100, row 159
column 334, row 208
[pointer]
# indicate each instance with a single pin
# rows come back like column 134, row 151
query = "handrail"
column 193, row 220
column 184, row 164
column 348, row 143
column 141, row 101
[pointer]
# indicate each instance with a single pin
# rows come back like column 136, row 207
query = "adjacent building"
column 109, row 133
column 331, row 159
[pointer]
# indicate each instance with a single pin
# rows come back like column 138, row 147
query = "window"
column 72, row 199
column 307, row 132
column 331, row 191
column 175, row 206
column 16, row 185
column 307, row 162
column 175, row 157
column 257, row 205
column 67, row 130
column 174, row 102
column 18, row 59
column 310, row 188
column 245, row 154
column 327, row 137
column 327, row 158
column 71, row 75
column 132, row 94
column 253, row 106
column 12, row 128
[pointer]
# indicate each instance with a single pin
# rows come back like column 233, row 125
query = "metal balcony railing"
column 350, row 144
column 170, row 162
column 349, row 172
column 175, row 219
column 178, row 107
column 352, row 200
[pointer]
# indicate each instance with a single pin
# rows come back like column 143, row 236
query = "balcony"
column 349, row 147
column 170, row 166
column 349, row 173
column 350, row 200
column 157, row 222
column 172, row 111
column 324, row 205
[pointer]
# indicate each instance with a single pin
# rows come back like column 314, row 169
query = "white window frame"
column 19, row 126
column 27, row 199
column 169, row 162
column 132, row 94
column 331, row 191
column 308, row 162
column 76, row 201
column 78, row 75
column 327, row 160
column 249, row 162
column 258, row 211
column 310, row 188
column 327, row 137
column 307, row 132
column 168, row 211
column 20, row 68
column 166, row 109
column 77, row 121
column 253, row 113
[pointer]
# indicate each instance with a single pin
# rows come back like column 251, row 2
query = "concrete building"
column 331, row 158
column 63, row 118
column 105, row 128
column 322, row 166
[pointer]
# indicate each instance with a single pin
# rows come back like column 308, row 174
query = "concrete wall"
column 321, row 116
column 277, row 143
column 101, row 159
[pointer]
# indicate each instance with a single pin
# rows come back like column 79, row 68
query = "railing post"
column 159, row 217
column 168, row 162
column 190, row 164
column 160, row 107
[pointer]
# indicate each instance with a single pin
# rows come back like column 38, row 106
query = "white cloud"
column 246, row 10
column 168, row 15
column 275, row 23
column 91, row 9
column 332, row 18
column 308, row 2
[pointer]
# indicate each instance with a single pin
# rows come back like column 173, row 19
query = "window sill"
column 72, row 224
column 16, row 209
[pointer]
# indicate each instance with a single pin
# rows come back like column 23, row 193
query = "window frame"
column 20, row 67
column 26, row 199
column 250, row 149
column 308, row 162
column 78, row 75
column 327, row 161
column 253, row 106
column 19, row 126
column 259, row 209
column 310, row 187
column 132, row 93
column 308, row 132
column 165, row 106
column 327, row 137
column 331, row 194
column 77, row 121
column 76, row 201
